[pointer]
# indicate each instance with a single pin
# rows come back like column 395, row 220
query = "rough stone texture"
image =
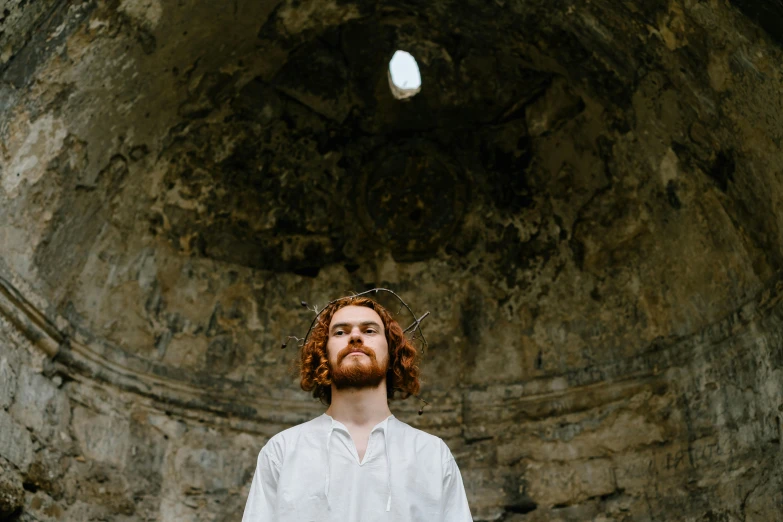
column 20, row 20
column 11, row 495
column 16, row 446
column 7, row 383
column 585, row 196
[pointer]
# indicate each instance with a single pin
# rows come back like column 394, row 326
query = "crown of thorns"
column 414, row 327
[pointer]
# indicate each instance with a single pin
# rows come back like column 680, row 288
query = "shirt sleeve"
column 262, row 499
column 455, row 502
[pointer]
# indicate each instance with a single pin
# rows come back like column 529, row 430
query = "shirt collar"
column 333, row 424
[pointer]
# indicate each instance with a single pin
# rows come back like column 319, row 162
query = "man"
column 357, row 462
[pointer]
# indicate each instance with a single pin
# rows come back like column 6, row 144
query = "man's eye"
column 338, row 332
column 370, row 330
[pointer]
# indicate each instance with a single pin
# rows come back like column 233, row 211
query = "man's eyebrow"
column 364, row 323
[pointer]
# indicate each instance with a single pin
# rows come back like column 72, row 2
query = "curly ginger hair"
column 315, row 373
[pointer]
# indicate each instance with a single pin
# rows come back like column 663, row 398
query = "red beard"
column 359, row 373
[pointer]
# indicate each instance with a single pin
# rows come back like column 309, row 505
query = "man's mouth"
column 355, row 351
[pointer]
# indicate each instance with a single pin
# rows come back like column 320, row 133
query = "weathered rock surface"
column 11, row 495
column 585, row 196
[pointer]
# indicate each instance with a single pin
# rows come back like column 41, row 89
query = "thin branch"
column 416, row 323
column 300, row 342
column 421, row 410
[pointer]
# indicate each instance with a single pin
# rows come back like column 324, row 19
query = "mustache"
column 355, row 347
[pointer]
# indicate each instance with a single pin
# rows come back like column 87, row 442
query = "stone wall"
column 686, row 432
column 77, row 451
column 585, row 197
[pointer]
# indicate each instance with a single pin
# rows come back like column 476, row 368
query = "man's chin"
column 363, row 383
column 359, row 373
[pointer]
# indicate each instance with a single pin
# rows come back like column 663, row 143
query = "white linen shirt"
column 312, row 473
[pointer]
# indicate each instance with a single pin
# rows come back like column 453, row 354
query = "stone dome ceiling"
column 584, row 195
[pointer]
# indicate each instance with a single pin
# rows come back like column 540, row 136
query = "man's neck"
column 361, row 408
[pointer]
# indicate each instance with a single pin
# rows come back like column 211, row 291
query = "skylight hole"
column 404, row 75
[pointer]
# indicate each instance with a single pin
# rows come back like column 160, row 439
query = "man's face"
column 357, row 348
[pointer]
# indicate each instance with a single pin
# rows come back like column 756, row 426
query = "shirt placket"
column 368, row 451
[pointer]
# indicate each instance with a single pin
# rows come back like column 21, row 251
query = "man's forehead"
column 355, row 314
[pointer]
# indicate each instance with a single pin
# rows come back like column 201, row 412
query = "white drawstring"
column 388, row 463
column 328, row 467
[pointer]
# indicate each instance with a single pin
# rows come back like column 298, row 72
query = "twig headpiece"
column 415, row 326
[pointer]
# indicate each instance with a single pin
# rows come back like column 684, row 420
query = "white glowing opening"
column 404, row 75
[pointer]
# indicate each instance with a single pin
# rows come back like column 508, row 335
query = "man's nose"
column 356, row 333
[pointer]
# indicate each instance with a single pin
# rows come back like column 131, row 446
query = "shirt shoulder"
column 286, row 440
column 421, row 441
